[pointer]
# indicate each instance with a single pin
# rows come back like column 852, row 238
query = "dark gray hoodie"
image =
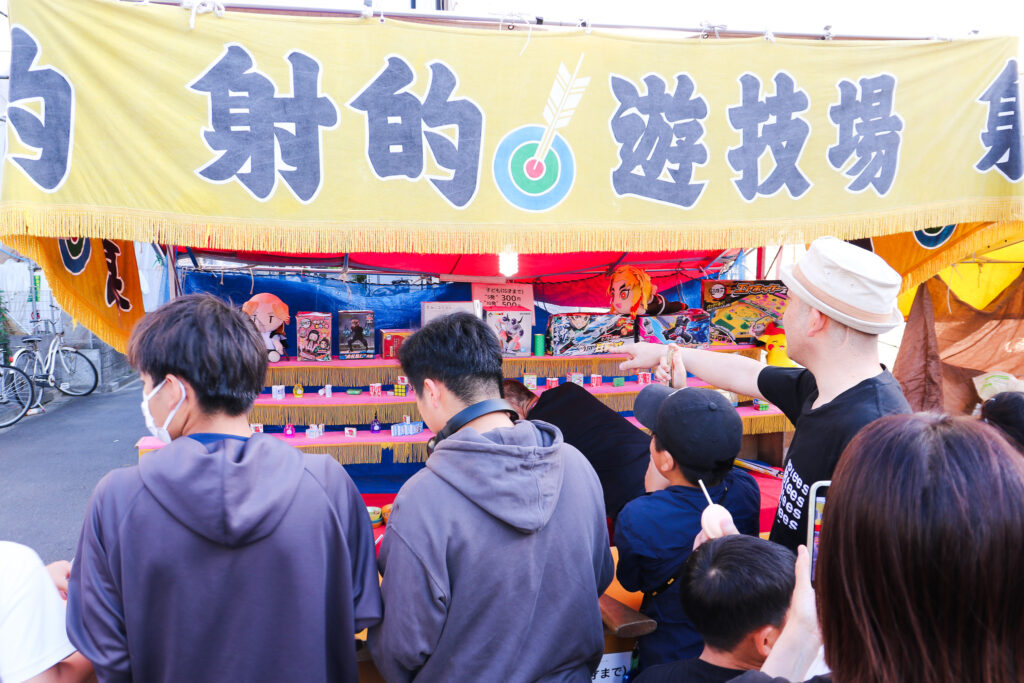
column 493, row 562
column 233, row 561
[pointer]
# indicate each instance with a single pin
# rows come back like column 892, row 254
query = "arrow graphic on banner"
column 566, row 93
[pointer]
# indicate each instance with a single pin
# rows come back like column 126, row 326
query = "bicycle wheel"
column 73, row 373
column 29, row 363
column 16, row 394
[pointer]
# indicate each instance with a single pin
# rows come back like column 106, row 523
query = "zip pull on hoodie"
column 513, row 474
column 232, row 492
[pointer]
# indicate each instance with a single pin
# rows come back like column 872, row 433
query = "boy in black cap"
column 696, row 435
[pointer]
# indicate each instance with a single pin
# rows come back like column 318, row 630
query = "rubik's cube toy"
column 400, row 389
column 375, row 390
column 596, row 380
column 619, row 382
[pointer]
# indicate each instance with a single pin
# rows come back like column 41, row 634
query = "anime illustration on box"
column 513, row 331
column 356, row 334
column 741, row 311
column 581, row 334
column 313, row 331
column 691, row 328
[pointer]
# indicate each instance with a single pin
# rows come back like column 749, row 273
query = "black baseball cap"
column 698, row 427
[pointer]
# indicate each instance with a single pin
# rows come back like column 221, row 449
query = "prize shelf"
column 365, row 371
column 343, row 409
column 413, row 448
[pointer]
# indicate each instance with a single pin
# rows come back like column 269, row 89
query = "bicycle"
column 65, row 368
column 16, row 394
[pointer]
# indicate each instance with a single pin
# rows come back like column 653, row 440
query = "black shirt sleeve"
column 787, row 388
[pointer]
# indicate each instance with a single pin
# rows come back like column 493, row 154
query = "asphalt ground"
column 49, row 464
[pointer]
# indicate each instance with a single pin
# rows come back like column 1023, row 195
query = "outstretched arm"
column 728, row 371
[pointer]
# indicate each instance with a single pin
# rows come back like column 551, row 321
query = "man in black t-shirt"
column 841, row 297
column 618, row 450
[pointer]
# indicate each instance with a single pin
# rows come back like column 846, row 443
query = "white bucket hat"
column 851, row 285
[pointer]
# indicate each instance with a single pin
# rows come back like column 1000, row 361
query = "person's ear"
column 663, row 460
column 817, row 322
column 175, row 386
column 432, row 392
column 763, row 639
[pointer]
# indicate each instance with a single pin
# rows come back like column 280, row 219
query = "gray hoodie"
column 224, row 561
column 493, row 562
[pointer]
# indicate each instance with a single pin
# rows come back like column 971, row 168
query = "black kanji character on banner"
column 51, row 134
column 396, row 122
column 659, row 136
column 1003, row 134
column 115, row 284
column 769, row 124
column 250, row 124
column 868, row 128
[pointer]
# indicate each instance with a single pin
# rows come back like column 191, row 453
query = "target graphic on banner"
column 75, row 253
column 933, row 238
column 534, row 167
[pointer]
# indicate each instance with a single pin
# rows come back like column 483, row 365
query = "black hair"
column 734, row 585
column 460, row 351
column 209, row 344
column 710, row 477
column 1005, row 412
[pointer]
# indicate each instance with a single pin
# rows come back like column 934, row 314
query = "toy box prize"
column 741, row 310
column 576, row 378
column 391, row 342
column 431, row 310
column 582, row 334
column 512, row 325
column 690, row 327
column 596, row 380
column 356, row 334
column 530, row 381
column 313, row 331
column 375, row 389
column 643, row 378
column 277, row 392
column 552, row 382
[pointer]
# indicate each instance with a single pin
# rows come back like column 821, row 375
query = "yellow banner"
column 95, row 280
column 282, row 133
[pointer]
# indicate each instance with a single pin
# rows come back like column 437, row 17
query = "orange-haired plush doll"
column 631, row 292
column 269, row 314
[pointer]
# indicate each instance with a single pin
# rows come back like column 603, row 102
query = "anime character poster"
column 356, row 334
column 313, row 332
column 513, row 328
column 582, row 334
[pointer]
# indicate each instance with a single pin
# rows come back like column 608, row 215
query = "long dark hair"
column 922, row 554
column 1005, row 412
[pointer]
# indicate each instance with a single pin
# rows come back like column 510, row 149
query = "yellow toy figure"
column 269, row 314
column 632, row 293
column 774, row 340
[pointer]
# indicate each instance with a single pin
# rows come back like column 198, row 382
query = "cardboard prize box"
column 391, row 342
column 513, row 326
column 313, row 334
column 356, row 334
column 584, row 334
column 690, row 327
column 431, row 310
column 741, row 309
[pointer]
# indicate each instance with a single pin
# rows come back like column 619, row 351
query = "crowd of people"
column 228, row 555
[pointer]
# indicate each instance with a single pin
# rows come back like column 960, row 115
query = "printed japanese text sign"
column 289, row 134
column 509, row 295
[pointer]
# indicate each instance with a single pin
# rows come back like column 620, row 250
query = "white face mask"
column 160, row 432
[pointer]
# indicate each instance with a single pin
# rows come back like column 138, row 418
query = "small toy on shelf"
column 355, row 330
column 762, row 405
column 391, row 342
column 385, row 511
column 256, row 428
column 375, row 425
column 289, row 431
column 376, row 516
column 401, row 379
column 328, row 390
column 400, row 389
column 406, row 419
column 353, row 392
column 298, row 391
column 552, row 382
column 269, row 314
column 596, row 380
column 314, row 432
column 643, row 378
column 313, row 331
column 576, row 378
column 619, row 382
column 530, row 381
column 277, row 392
column 351, row 432
column 375, row 389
